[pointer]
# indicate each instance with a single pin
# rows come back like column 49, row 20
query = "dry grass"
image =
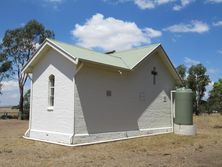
column 205, row 149
column 9, row 111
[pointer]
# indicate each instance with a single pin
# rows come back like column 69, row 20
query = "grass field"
column 9, row 111
column 205, row 149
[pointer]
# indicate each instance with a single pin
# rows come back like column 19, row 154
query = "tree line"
column 16, row 48
column 19, row 44
column 196, row 78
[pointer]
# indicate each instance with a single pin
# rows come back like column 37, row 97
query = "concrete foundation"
column 85, row 139
column 189, row 130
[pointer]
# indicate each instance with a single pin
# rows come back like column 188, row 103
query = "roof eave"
column 177, row 76
column 148, row 54
column 107, row 65
column 47, row 43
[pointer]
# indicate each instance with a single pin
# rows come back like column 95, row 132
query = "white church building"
column 79, row 96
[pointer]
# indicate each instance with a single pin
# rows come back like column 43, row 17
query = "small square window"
column 108, row 93
column 141, row 96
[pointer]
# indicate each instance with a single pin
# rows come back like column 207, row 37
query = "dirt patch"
column 218, row 126
column 204, row 149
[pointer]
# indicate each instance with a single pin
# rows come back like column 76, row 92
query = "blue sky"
column 189, row 30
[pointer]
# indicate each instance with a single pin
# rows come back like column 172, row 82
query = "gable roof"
column 126, row 60
column 132, row 57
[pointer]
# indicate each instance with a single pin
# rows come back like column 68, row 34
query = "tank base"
column 189, row 130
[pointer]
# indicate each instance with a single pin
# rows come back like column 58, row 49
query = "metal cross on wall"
column 154, row 73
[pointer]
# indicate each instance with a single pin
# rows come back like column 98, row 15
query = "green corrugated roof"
column 133, row 56
column 124, row 59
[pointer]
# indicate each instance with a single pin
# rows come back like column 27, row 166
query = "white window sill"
column 50, row 108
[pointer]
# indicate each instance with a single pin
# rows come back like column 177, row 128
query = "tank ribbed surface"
column 183, row 107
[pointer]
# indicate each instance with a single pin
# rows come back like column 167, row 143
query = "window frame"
column 51, row 92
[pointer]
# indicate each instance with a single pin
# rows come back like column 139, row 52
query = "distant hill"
column 7, row 109
column 6, row 106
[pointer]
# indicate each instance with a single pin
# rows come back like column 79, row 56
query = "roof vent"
column 110, row 52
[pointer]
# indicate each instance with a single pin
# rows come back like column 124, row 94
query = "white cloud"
column 208, row 89
column 150, row 4
column 212, row 71
column 53, row 3
column 22, row 24
column 195, row 26
column 9, row 85
column 160, row 2
column 219, row 51
column 218, row 23
column 152, row 33
column 10, row 92
column 214, row 1
column 14, row 96
column 36, row 45
column 183, row 4
column 116, row 1
column 110, row 33
column 9, row 98
column 189, row 62
column 142, row 4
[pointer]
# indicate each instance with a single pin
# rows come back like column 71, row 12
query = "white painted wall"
column 56, row 125
column 124, row 110
column 135, row 104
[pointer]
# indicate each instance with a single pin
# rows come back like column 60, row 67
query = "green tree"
column 181, row 70
column 26, row 105
column 5, row 67
column 197, row 80
column 18, row 45
column 215, row 98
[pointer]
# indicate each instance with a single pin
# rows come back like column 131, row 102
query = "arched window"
column 51, row 90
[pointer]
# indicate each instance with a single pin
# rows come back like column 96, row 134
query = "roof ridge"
column 112, row 54
column 121, row 59
column 76, row 46
column 108, row 55
column 124, row 61
column 143, row 47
